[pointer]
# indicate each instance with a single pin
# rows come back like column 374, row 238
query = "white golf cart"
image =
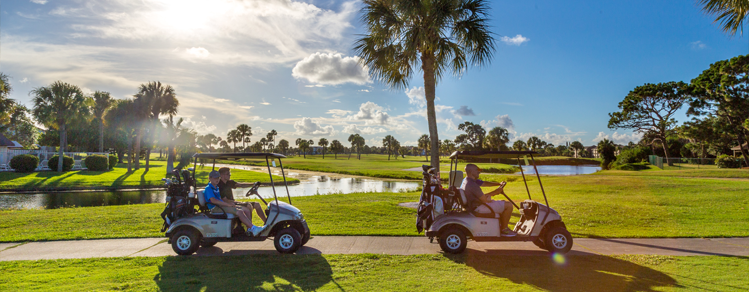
column 188, row 229
column 445, row 216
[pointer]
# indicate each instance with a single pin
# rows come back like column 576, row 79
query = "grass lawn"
column 683, row 172
column 118, row 178
column 368, row 272
column 590, row 205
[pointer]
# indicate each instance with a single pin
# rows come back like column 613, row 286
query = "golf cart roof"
column 248, row 155
column 490, row 154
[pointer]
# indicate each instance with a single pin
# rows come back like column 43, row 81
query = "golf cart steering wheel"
column 253, row 190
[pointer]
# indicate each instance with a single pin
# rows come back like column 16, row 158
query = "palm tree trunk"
column 148, row 157
column 323, row 152
column 129, row 153
column 169, row 160
column 61, row 152
column 427, row 64
column 136, row 149
column 101, row 135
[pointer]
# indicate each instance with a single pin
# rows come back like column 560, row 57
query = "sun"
column 189, row 15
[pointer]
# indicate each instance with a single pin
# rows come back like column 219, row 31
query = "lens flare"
column 559, row 259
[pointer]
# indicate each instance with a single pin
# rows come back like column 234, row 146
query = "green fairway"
column 367, row 272
column 590, row 205
column 118, row 178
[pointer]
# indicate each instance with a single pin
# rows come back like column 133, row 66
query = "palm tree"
column 360, row 142
column 121, row 120
column 173, row 131
column 497, row 138
column 283, row 145
column 519, row 145
column 442, row 35
column 730, row 13
column 233, row 137
column 152, row 100
column 102, row 102
column 271, row 137
column 55, row 106
column 387, row 142
column 577, row 146
column 303, row 146
column 245, row 131
column 324, row 143
column 354, row 141
column 336, row 147
column 424, row 143
column 263, row 142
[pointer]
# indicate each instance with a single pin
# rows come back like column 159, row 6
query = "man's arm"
column 489, row 184
column 220, row 203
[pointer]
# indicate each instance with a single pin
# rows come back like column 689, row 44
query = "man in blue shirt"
column 477, row 199
column 213, row 201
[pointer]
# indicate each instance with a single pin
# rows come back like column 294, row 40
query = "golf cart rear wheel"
column 453, row 240
column 288, row 240
column 305, row 238
column 186, row 241
column 558, row 240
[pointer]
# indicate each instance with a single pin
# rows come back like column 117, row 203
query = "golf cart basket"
column 457, row 155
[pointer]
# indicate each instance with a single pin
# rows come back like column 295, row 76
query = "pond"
column 561, row 169
column 311, row 183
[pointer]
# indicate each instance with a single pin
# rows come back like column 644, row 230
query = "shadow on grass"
column 244, row 273
column 119, row 180
column 573, row 272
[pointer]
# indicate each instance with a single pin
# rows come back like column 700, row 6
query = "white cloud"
column 336, row 100
column 370, row 111
column 617, row 138
column 505, row 121
column 199, row 126
column 417, row 96
column 329, row 68
column 354, row 129
column 24, row 80
column 265, row 102
column 338, row 113
column 553, row 138
column 516, row 40
column 363, row 90
column 698, row 45
column 29, row 16
column 307, row 126
column 464, row 111
column 39, row 1
column 293, row 100
column 200, row 52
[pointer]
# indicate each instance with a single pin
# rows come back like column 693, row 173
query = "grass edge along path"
column 591, row 206
column 116, row 179
column 472, row 271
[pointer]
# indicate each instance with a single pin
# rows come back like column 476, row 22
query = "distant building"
column 737, row 150
column 5, row 145
column 314, row 150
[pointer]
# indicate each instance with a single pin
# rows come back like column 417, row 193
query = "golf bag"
column 178, row 203
column 430, row 202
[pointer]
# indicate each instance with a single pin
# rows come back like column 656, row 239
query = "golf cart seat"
column 207, row 212
column 456, row 180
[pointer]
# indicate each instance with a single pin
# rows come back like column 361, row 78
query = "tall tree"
column 324, row 143
column 475, row 135
column 519, row 145
column 730, row 13
column 497, row 138
column 606, row 150
column 172, row 136
column 245, row 131
column 650, row 108
column 577, row 146
column 447, row 147
column 360, row 142
column 233, row 137
column 441, row 35
column 424, row 143
column 55, row 106
column 336, row 147
column 123, row 124
column 271, row 137
column 283, row 145
column 304, row 146
column 387, row 142
column 152, row 100
column 102, row 102
column 723, row 90
column 534, row 143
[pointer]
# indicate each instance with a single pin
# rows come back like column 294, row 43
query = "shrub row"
column 727, row 161
column 24, row 163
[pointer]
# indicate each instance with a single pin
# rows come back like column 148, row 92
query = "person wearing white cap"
column 218, row 206
column 477, row 200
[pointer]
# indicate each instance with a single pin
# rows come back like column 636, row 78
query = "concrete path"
column 154, row 247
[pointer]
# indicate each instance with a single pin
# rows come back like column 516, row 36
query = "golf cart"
column 444, row 214
column 188, row 228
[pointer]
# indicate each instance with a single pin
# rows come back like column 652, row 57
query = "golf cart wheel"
column 186, row 241
column 558, row 240
column 207, row 243
column 305, row 238
column 538, row 242
column 288, row 240
column 453, row 240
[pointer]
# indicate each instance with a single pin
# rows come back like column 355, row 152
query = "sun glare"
column 189, row 15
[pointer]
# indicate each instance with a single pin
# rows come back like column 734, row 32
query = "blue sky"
column 558, row 70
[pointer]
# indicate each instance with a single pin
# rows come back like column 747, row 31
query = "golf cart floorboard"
column 236, row 237
column 505, row 238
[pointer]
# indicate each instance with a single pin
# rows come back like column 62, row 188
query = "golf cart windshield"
column 500, row 155
column 250, row 156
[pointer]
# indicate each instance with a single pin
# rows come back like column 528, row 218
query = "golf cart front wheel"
column 305, row 237
column 453, row 240
column 185, row 241
column 288, row 240
column 558, row 240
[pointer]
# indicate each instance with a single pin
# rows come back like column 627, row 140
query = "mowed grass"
column 368, row 272
column 684, row 172
column 118, row 178
column 590, row 205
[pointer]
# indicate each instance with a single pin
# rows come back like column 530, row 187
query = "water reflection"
column 310, row 184
column 561, row 169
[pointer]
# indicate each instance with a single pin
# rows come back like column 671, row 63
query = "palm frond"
column 730, row 13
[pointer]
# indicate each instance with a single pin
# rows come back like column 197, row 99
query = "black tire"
column 207, row 243
column 538, row 242
column 305, row 238
column 288, row 240
column 186, row 241
column 558, row 240
column 453, row 240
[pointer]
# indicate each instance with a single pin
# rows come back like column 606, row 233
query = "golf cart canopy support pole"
column 539, row 182
column 272, row 185
column 524, row 181
column 284, row 181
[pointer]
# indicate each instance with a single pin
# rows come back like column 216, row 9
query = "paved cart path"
column 154, row 247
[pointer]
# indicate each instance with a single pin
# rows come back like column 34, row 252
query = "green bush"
column 67, row 163
column 633, row 155
column 727, row 161
column 96, row 162
column 631, row 166
column 24, row 163
column 112, row 161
